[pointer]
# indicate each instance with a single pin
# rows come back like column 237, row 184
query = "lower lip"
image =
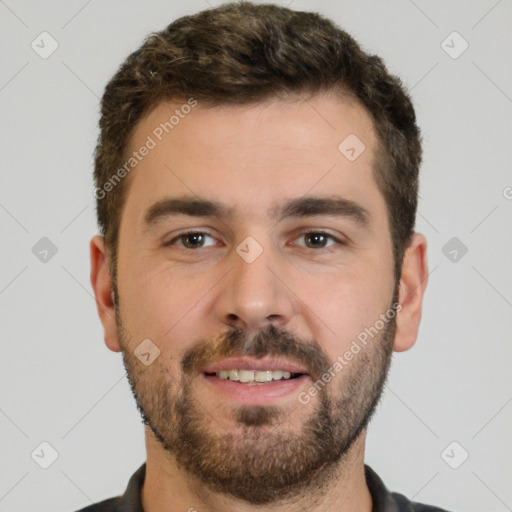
column 257, row 394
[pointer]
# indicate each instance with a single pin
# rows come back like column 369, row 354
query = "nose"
column 255, row 294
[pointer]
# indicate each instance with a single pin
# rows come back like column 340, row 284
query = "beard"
column 261, row 460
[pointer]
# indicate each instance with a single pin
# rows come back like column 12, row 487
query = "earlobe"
column 101, row 282
column 413, row 282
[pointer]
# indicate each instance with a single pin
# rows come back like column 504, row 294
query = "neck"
column 166, row 483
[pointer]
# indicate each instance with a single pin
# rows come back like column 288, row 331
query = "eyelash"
column 304, row 233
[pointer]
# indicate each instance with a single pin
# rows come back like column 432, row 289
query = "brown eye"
column 318, row 240
column 191, row 240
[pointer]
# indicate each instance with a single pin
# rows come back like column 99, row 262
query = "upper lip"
column 249, row 363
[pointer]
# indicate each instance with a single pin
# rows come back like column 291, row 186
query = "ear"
column 101, row 281
column 413, row 282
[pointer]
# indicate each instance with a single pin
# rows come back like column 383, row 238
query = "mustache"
column 272, row 341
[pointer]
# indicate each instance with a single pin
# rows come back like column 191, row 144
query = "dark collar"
column 383, row 500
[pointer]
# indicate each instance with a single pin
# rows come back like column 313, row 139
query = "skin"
column 254, row 158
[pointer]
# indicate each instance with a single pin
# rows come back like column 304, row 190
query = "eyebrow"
column 300, row 207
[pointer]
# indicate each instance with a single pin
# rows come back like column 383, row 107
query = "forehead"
column 254, row 155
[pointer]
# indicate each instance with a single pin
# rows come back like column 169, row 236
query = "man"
column 256, row 182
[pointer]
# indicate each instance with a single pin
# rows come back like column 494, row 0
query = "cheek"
column 345, row 306
column 158, row 302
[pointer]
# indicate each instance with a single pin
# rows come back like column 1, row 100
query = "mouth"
column 254, row 377
column 255, row 381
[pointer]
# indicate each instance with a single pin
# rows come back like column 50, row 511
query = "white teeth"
column 265, row 376
column 248, row 376
column 245, row 376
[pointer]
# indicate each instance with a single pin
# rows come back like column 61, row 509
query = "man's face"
column 267, row 285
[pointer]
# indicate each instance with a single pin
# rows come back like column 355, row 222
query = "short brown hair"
column 242, row 53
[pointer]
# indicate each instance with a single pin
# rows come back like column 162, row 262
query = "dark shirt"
column 383, row 500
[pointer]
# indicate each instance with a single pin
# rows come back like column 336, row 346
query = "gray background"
column 58, row 382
